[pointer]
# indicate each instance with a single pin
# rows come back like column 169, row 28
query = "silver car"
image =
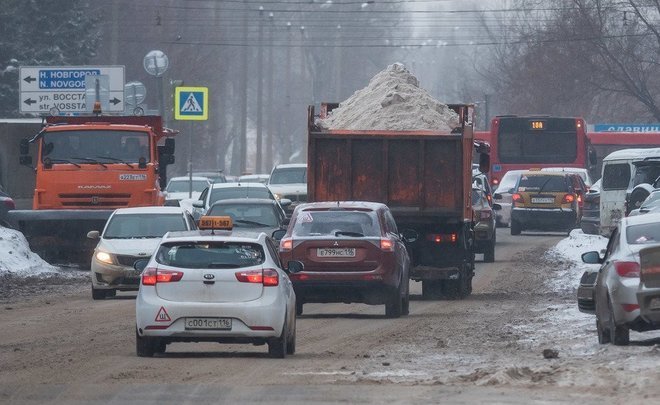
column 618, row 280
column 502, row 196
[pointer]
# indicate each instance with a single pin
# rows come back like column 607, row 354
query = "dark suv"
column 352, row 252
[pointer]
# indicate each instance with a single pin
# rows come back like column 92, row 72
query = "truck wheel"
column 431, row 289
column 144, row 346
column 489, row 253
column 98, row 294
column 515, row 227
column 394, row 305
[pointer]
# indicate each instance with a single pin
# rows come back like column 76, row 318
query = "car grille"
column 95, row 200
column 126, row 260
column 296, row 197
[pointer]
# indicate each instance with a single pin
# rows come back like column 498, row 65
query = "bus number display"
column 537, row 125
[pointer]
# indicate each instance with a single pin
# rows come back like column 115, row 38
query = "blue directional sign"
column 191, row 103
column 627, row 127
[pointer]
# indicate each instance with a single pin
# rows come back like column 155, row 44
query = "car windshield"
column 239, row 192
column 210, row 255
column 336, row 223
column 289, row 176
column 183, row 186
column 132, row 226
column 646, row 174
column 542, row 183
column 247, row 215
column 643, row 233
column 83, row 147
column 652, row 199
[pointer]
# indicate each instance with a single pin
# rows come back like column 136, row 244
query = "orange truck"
column 425, row 177
column 86, row 167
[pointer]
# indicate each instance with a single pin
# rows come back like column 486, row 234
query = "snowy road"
column 57, row 344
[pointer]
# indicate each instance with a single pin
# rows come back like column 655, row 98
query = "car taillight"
column 627, row 269
column 151, row 276
column 517, row 198
column 386, row 245
column 568, row 198
column 267, row 277
column 286, row 245
column 495, row 182
column 10, row 204
column 442, row 237
column 485, row 215
column 630, row 307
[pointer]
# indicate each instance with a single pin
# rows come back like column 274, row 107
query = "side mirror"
column 140, row 264
column 25, row 160
column 484, row 162
column 278, row 234
column 409, row 235
column 198, row 204
column 285, row 202
column 24, row 147
column 93, row 234
column 593, row 158
column 497, row 196
column 169, row 146
column 592, row 257
column 497, row 207
column 169, row 159
column 295, row 266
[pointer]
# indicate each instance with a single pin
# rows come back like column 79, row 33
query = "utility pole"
column 287, row 83
column 260, row 91
column 244, row 92
column 269, row 102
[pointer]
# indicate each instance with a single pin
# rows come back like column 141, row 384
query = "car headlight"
column 277, row 196
column 104, row 257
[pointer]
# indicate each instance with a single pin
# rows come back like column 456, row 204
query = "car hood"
column 295, row 188
column 131, row 247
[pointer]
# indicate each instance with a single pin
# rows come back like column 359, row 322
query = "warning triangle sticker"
column 191, row 105
column 162, row 316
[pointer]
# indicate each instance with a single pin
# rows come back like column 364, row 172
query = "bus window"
column 616, row 176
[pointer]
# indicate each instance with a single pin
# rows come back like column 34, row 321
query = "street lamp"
column 156, row 63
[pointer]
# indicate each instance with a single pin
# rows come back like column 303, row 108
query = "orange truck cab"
column 86, row 167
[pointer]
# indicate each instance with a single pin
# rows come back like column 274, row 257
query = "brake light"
column 517, row 198
column 10, row 204
column 286, row 245
column 386, row 245
column 442, row 238
column 630, row 307
column 495, row 182
column 485, row 215
column 568, row 199
column 627, row 269
column 267, row 277
column 151, row 276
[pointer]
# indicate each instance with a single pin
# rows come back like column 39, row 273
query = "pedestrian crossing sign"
column 191, row 103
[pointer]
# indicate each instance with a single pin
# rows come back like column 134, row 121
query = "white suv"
column 289, row 181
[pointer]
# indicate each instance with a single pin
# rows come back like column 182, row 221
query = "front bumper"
column 545, row 218
column 113, row 276
column 585, row 293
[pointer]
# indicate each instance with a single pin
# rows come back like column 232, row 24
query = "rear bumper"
column 367, row 292
column 649, row 304
column 544, row 219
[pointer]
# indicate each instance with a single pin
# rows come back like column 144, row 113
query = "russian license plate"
column 654, row 303
column 335, row 252
column 542, row 200
column 208, row 323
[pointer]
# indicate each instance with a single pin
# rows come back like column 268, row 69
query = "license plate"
column 335, row 252
column 542, row 200
column 654, row 303
column 208, row 323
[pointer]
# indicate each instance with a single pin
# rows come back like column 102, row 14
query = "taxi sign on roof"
column 216, row 223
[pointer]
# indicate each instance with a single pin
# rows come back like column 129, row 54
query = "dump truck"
column 86, row 167
column 425, row 177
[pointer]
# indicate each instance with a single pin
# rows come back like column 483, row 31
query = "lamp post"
column 260, row 98
column 156, row 63
column 269, row 102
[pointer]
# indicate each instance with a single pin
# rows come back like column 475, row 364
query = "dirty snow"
column 393, row 100
column 16, row 257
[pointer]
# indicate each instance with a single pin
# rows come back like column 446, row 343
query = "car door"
column 401, row 252
column 601, row 294
column 617, row 175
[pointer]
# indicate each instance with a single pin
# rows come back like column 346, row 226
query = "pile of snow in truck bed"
column 17, row 258
column 393, row 100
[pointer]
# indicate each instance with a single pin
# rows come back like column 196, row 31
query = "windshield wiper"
column 89, row 160
column 65, row 161
column 115, row 160
column 544, row 184
column 245, row 221
column 349, row 233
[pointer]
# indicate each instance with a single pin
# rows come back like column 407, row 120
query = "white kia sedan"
column 129, row 235
column 219, row 286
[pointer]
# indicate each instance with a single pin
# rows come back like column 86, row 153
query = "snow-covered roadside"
column 16, row 258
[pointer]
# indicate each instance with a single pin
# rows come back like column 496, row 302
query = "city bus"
column 537, row 141
column 604, row 143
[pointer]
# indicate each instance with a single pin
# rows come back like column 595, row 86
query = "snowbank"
column 570, row 250
column 393, row 100
column 16, row 257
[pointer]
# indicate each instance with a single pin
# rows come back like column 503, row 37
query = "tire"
column 489, row 253
column 144, row 346
column 277, row 346
column 515, row 228
column 431, row 289
column 299, row 307
column 619, row 335
column 603, row 334
column 291, row 343
column 98, row 294
column 394, row 305
column 405, row 301
column 160, row 347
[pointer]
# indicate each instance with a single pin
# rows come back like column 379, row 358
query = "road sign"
column 43, row 88
column 191, row 103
